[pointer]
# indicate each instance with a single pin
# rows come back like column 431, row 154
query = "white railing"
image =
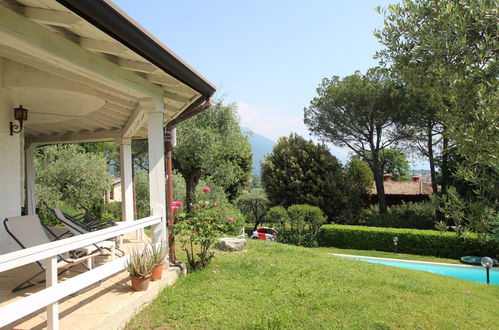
column 55, row 291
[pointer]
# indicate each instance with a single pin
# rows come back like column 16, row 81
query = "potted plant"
column 140, row 268
column 158, row 257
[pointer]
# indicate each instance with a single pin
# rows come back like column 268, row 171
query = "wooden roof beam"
column 136, row 66
column 51, row 17
column 162, row 80
column 28, row 37
column 102, row 46
column 77, row 137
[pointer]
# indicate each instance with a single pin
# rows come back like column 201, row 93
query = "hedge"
column 413, row 241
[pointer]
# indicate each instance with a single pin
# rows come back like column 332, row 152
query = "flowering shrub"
column 198, row 229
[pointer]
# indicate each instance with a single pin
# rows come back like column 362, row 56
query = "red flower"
column 206, row 189
column 230, row 219
column 174, row 207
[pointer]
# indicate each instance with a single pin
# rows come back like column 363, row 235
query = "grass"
column 275, row 286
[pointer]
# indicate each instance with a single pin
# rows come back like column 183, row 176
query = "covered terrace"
column 86, row 72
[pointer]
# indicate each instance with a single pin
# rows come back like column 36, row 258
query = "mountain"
column 260, row 145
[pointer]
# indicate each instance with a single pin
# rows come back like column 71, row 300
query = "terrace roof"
column 86, row 71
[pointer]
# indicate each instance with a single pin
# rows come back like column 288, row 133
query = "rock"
column 231, row 244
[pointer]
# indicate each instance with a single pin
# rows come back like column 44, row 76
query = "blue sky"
column 268, row 57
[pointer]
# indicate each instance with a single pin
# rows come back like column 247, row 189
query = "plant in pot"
column 158, row 257
column 140, row 268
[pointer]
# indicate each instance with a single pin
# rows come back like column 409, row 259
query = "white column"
column 51, row 280
column 126, row 179
column 10, row 163
column 30, row 179
column 157, row 194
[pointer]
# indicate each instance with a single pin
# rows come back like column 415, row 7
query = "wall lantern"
column 21, row 115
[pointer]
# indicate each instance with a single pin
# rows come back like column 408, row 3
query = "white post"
column 127, row 213
column 126, row 179
column 30, row 179
column 51, row 280
column 157, row 196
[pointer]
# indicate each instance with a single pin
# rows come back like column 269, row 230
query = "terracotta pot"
column 157, row 272
column 140, row 283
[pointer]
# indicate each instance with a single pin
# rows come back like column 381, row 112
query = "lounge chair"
column 78, row 226
column 83, row 223
column 28, row 232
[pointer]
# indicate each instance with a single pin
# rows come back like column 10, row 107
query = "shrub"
column 299, row 224
column 198, row 229
column 406, row 215
column 278, row 216
column 413, row 241
column 303, row 215
column 112, row 211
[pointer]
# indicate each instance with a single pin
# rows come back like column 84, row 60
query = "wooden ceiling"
column 68, row 103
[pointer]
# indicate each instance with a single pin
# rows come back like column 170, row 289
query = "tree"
column 66, row 173
column 360, row 180
column 360, row 175
column 458, row 42
column 301, row 172
column 107, row 150
column 363, row 113
column 428, row 139
column 394, row 162
column 211, row 145
column 141, row 190
column 254, row 205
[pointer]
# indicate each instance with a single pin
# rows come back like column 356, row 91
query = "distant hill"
column 260, row 146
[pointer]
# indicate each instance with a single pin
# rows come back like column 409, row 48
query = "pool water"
column 469, row 273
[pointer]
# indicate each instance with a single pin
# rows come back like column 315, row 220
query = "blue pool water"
column 475, row 274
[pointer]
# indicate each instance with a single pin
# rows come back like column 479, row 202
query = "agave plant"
column 140, row 263
column 158, row 253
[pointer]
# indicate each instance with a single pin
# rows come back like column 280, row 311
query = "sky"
column 268, row 57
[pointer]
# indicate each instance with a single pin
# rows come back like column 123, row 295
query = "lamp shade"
column 487, row 262
column 20, row 113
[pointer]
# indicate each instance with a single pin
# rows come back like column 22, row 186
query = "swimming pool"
column 469, row 273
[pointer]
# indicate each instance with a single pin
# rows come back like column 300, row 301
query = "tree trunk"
column 191, row 182
column 256, row 213
column 445, row 164
column 380, row 188
column 431, row 157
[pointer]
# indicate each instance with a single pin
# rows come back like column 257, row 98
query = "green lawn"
column 275, row 286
